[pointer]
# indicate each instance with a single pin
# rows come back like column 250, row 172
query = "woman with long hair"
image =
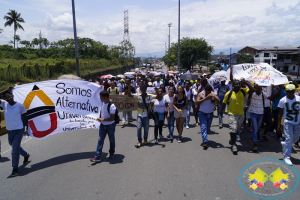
column 170, row 111
column 158, row 106
column 180, row 103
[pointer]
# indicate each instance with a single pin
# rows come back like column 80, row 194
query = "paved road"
column 60, row 167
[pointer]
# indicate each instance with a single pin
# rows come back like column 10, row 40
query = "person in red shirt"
column 106, row 84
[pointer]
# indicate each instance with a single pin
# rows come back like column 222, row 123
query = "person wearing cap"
column 289, row 107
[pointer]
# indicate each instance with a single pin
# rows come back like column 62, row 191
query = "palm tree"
column 14, row 18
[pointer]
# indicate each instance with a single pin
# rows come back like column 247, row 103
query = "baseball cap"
column 290, row 87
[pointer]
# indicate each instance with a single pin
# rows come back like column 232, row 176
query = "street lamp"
column 169, row 25
column 178, row 63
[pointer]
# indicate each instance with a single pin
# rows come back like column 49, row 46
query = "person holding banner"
column 235, row 99
column 16, row 123
column 180, row 103
column 107, row 126
column 142, row 121
column 158, row 105
column 128, row 113
column 170, row 111
column 256, row 108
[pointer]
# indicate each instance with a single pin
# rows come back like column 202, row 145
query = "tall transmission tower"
column 126, row 26
column 126, row 38
column 40, row 37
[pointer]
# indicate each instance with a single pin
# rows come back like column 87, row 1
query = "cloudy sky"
column 223, row 23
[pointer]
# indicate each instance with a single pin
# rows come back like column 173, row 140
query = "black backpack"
column 231, row 94
column 117, row 118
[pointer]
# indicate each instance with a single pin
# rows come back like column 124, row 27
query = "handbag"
column 150, row 113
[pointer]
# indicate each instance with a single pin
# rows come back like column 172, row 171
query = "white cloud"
column 223, row 23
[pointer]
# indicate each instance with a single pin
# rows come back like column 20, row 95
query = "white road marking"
column 21, row 144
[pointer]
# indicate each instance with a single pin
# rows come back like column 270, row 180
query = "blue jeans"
column 205, row 121
column 291, row 134
column 188, row 113
column 14, row 140
column 110, row 131
column 256, row 120
column 171, row 120
column 140, row 123
column 220, row 115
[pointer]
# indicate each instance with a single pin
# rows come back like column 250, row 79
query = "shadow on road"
column 4, row 159
column 66, row 159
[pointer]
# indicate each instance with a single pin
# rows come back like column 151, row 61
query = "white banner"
column 262, row 74
column 59, row 106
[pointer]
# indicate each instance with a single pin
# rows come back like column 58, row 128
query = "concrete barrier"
column 3, row 129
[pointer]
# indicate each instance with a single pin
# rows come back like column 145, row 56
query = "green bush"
column 212, row 68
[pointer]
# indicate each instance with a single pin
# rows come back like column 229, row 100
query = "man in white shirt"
column 157, row 83
column 289, row 107
column 15, row 121
column 107, row 126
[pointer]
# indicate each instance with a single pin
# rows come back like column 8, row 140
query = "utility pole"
column 75, row 38
column 178, row 62
column 169, row 25
column 230, row 58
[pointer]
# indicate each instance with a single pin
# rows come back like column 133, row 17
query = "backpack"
column 231, row 94
column 117, row 118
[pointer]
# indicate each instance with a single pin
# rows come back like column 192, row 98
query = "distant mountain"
column 158, row 54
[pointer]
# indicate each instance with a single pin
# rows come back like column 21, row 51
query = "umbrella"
column 196, row 73
column 129, row 76
column 172, row 72
column 120, row 76
column 106, row 76
column 69, row 76
column 188, row 77
column 221, row 75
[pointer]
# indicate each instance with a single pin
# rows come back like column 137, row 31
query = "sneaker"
column 258, row 139
column 161, row 136
column 122, row 125
column 251, row 142
column 187, row 127
column 264, row 137
column 280, row 139
column 95, row 160
column 205, row 145
column 26, row 158
column 255, row 148
column 243, row 126
column 197, row 124
column 156, row 141
column 288, row 161
column 131, row 120
column 271, row 133
column 178, row 140
column 234, row 148
column 111, row 155
column 164, row 126
column 145, row 142
column 171, row 140
column 250, row 129
column 139, row 144
column 168, row 136
column 220, row 126
column 14, row 172
column 238, row 138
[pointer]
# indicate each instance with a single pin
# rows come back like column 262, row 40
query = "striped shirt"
column 256, row 104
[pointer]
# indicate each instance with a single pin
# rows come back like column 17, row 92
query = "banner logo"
column 268, row 179
column 49, row 108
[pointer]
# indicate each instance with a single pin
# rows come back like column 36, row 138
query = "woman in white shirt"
column 206, row 101
column 158, row 106
column 170, row 111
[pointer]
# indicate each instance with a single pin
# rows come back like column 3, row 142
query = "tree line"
column 62, row 49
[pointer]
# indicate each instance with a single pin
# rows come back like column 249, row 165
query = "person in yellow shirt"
column 235, row 99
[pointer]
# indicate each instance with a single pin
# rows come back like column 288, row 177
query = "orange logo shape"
column 49, row 108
